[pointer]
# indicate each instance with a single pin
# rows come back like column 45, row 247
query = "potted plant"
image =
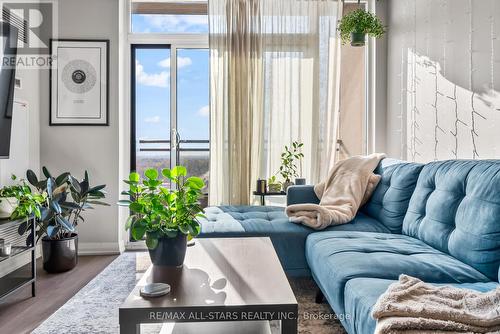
column 168, row 218
column 355, row 25
column 273, row 185
column 65, row 201
column 289, row 159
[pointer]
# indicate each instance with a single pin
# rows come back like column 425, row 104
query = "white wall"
column 443, row 79
column 92, row 148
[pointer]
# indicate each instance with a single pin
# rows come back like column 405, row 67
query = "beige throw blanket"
column 350, row 183
column 412, row 306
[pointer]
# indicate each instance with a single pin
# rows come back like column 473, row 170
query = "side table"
column 264, row 195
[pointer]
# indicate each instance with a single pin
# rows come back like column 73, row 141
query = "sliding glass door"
column 170, row 113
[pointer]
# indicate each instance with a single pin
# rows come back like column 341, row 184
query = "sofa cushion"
column 361, row 294
column 288, row 238
column 456, row 208
column 390, row 199
column 336, row 257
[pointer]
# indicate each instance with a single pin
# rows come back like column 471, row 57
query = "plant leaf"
column 55, row 207
column 75, row 184
column 52, row 230
column 194, row 229
column 61, row 178
column 136, row 207
column 98, row 203
column 134, row 177
column 69, row 205
column 179, row 171
column 195, row 182
column 65, row 223
column 167, row 173
column 45, row 172
column 151, row 241
column 184, row 228
column 84, row 186
column 32, row 179
column 151, row 173
column 124, row 202
column 138, row 229
column 50, row 186
column 96, row 189
column 23, row 227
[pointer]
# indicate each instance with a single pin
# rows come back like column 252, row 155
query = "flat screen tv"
column 8, row 52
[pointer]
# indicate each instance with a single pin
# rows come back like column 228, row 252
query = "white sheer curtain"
column 274, row 79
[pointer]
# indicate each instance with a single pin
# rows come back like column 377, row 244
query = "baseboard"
column 98, row 248
column 136, row 246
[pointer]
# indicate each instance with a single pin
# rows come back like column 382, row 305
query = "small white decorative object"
column 155, row 290
column 7, row 206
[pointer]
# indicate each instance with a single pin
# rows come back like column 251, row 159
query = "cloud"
column 154, row 119
column 181, row 62
column 204, row 111
column 150, row 79
column 177, row 23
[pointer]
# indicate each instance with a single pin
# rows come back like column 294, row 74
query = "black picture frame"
column 106, row 73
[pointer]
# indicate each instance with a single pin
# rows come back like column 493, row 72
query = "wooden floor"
column 20, row 313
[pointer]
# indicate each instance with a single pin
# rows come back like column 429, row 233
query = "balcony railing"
column 179, row 148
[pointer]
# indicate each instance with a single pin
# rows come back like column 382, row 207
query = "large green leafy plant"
column 159, row 212
column 65, row 201
column 362, row 22
column 289, row 159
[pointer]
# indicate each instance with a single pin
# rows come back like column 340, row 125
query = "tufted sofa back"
column 455, row 208
column 390, row 199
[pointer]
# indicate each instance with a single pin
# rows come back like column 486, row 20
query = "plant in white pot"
column 65, row 201
column 166, row 217
column 8, row 200
column 273, row 185
column 354, row 27
column 18, row 201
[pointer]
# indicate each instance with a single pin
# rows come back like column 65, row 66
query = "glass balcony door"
column 170, row 113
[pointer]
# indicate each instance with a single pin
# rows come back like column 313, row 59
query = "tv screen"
column 8, row 52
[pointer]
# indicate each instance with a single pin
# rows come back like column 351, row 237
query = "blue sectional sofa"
column 439, row 222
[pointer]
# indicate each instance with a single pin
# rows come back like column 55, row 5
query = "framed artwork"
column 79, row 82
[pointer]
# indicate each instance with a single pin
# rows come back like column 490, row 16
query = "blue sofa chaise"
column 439, row 222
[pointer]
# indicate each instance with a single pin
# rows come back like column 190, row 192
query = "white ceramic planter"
column 7, row 206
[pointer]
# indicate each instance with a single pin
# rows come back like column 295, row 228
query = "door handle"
column 176, row 139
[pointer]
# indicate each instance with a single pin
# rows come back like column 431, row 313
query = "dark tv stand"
column 17, row 278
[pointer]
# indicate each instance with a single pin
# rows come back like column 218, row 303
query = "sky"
column 153, row 81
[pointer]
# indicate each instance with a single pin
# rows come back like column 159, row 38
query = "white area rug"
column 94, row 309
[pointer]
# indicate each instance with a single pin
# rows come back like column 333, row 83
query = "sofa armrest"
column 301, row 194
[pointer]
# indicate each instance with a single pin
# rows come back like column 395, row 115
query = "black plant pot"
column 170, row 252
column 358, row 39
column 60, row 255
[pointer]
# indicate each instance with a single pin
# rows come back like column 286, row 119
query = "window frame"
column 173, row 41
column 128, row 40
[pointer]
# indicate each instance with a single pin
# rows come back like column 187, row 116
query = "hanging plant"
column 355, row 25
